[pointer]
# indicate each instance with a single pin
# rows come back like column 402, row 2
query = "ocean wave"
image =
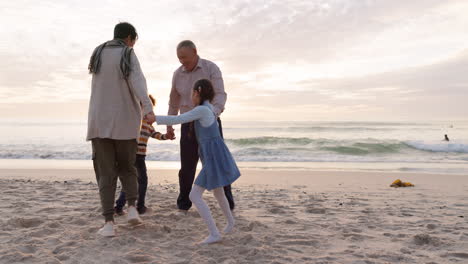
column 360, row 148
column 347, row 147
column 269, row 141
column 269, row 149
column 438, row 146
column 337, row 128
column 76, row 155
column 315, row 128
column 66, row 155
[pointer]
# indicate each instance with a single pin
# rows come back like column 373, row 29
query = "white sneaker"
column 107, row 230
column 211, row 239
column 132, row 216
column 229, row 228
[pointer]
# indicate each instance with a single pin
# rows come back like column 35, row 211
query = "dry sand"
column 298, row 217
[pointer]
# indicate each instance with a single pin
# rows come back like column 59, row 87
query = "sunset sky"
column 281, row 60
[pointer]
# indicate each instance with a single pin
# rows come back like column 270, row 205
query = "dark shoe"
column 183, row 204
column 142, row 210
column 119, row 211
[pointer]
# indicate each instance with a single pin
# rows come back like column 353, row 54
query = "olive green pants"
column 114, row 159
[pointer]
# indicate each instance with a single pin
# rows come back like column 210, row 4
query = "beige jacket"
column 114, row 107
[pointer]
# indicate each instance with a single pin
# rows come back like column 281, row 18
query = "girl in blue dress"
column 219, row 168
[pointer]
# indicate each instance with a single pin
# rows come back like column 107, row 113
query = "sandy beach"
column 321, row 105
column 52, row 216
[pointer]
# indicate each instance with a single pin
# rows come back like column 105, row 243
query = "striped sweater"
column 146, row 132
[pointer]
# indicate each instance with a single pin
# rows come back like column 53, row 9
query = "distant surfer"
column 446, row 138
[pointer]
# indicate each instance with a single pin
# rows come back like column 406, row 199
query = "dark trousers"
column 114, row 159
column 189, row 159
column 142, row 184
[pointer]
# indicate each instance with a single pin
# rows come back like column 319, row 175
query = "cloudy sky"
column 281, row 60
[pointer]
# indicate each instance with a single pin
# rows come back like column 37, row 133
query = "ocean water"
column 339, row 145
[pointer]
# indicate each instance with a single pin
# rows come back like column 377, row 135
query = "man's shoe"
column 107, row 230
column 142, row 210
column 119, row 211
column 132, row 217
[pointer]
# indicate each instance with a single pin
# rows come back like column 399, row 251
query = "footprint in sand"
column 16, row 257
column 246, row 239
column 47, row 210
column 27, row 249
column 290, row 222
column 54, row 225
column 276, row 211
column 138, row 257
column 300, row 242
column 43, row 232
column 63, row 257
column 425, row 239
column 25, row 222
column 456, row 255
column 356, row 237
column 80, row 222
column 316, row 210
column 251, row 226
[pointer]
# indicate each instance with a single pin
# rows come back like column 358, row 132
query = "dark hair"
column 186, row 44
column 153, row 101
column 205, row 88
column 124, row 29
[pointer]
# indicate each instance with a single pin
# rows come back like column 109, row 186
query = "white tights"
column 204, row 211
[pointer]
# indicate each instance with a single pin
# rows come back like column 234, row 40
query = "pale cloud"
column 316, row 58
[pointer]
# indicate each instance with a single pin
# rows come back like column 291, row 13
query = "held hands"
column 167, row 136
column 170, row 133
column 150, row 118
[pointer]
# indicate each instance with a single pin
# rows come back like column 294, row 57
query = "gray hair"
column 186, row 44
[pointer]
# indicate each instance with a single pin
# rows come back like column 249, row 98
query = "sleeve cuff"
column 147, row 109
column 217, row 111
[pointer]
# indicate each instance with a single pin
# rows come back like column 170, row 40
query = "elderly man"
column 193, row 68
column 119, row 101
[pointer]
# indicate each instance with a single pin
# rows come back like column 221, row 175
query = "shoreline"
column 365, row 167
column 264, row 179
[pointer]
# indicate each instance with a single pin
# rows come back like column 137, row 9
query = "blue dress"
column 219, row 168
